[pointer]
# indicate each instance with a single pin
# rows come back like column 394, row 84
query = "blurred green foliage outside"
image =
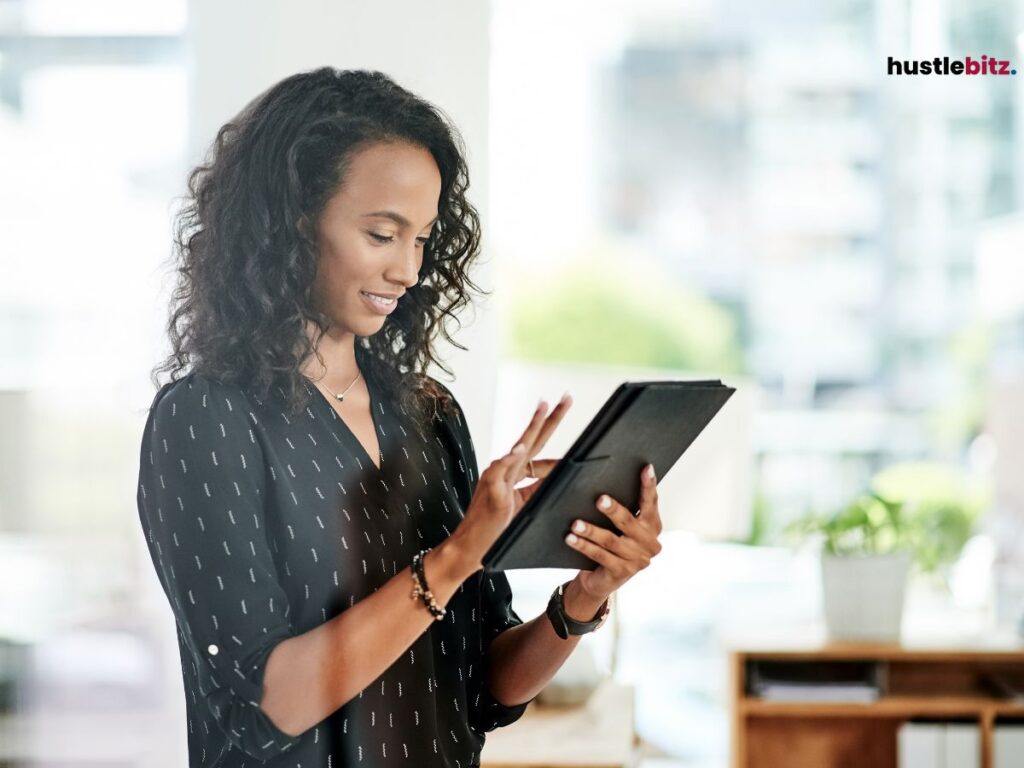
column 609, row 305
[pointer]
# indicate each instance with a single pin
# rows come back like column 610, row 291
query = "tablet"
column 643, row 422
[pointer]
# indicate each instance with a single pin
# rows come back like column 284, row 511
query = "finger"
column 626, row 547
column 550, row 424
column 527, row 438
column 539, row 438
column 615, row 565
column 497, row 473
column 626, row 522
column 623, row 546
column 511, row 461
column 649, row 511
column 539, row 430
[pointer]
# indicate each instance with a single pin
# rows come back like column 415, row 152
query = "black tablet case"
column 642, row 422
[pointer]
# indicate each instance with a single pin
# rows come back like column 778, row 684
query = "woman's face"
column 372, row 233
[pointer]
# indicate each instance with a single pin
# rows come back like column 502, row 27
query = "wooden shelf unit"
column 931, row 683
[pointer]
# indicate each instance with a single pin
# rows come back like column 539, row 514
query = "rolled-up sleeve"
column 495, row 606
column 497, row 616
column 200, row 499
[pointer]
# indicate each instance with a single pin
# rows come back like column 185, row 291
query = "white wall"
column 439, row 50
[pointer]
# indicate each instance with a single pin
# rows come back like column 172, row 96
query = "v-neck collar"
column 356, row 443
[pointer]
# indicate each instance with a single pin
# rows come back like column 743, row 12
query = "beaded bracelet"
column 420, row 588
column 436, row 610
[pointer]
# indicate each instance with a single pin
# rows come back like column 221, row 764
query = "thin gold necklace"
column 341, row 396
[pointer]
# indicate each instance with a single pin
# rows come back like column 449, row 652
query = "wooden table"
column 597, row 734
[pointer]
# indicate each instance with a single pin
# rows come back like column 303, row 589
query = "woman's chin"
column 370, row 325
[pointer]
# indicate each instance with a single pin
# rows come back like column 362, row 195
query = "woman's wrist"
column 581, row 605
column 456, row 559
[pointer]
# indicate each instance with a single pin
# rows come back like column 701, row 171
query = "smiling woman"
column 288, row 480
column 329, row 184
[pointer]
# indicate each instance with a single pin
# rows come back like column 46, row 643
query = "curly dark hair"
column 245, row 267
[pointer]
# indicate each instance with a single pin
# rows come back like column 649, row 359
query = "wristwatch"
column 565, row 626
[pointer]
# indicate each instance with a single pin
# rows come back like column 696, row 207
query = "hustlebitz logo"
column 986, row 65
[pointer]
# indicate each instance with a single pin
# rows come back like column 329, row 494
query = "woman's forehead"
column 400, row 182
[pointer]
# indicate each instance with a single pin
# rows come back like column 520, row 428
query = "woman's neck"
column 339, row 367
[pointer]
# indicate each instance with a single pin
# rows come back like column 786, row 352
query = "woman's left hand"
column 619, row 558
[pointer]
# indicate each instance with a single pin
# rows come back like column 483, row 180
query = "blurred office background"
column 712, row 189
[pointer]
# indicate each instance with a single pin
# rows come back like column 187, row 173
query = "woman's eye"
column 422, row 241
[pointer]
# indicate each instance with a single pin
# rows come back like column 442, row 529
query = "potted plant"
column 870, row 545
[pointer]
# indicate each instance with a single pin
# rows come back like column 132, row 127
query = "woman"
column 311, row 498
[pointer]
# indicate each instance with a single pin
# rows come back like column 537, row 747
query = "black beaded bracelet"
column 421, row 589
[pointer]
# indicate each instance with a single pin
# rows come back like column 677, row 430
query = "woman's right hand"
column 495, row 501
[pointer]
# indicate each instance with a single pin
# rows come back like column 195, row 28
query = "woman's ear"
column 302, row 225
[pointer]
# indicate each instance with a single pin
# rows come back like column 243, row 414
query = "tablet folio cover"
column 642, row 422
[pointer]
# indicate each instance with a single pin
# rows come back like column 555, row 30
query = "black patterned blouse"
column 262, row 527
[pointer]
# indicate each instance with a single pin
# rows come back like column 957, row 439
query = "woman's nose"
column 407, row 270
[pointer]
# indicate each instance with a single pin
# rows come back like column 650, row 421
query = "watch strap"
column 565, row 625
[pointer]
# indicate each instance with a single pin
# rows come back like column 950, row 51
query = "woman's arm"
column 311, row 675
column 523, row 659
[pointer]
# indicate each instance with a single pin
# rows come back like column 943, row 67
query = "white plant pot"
column 864, row 595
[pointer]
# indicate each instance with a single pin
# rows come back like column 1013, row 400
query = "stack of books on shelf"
column 843, row 681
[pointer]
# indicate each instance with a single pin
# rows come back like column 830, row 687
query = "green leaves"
column 610, row 306
column 870, row 524
column 933, row 528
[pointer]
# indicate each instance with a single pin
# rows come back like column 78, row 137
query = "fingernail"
column 519, row 448
column 571, row 538
column 564, row 397
column 604, row 502
column 650, row 471
column 580, row 526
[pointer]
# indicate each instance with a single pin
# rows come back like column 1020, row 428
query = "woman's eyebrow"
column 395, row 217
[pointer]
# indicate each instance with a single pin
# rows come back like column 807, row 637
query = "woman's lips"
column 379, row 307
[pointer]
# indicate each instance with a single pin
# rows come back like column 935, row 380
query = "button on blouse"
column 262, row 526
